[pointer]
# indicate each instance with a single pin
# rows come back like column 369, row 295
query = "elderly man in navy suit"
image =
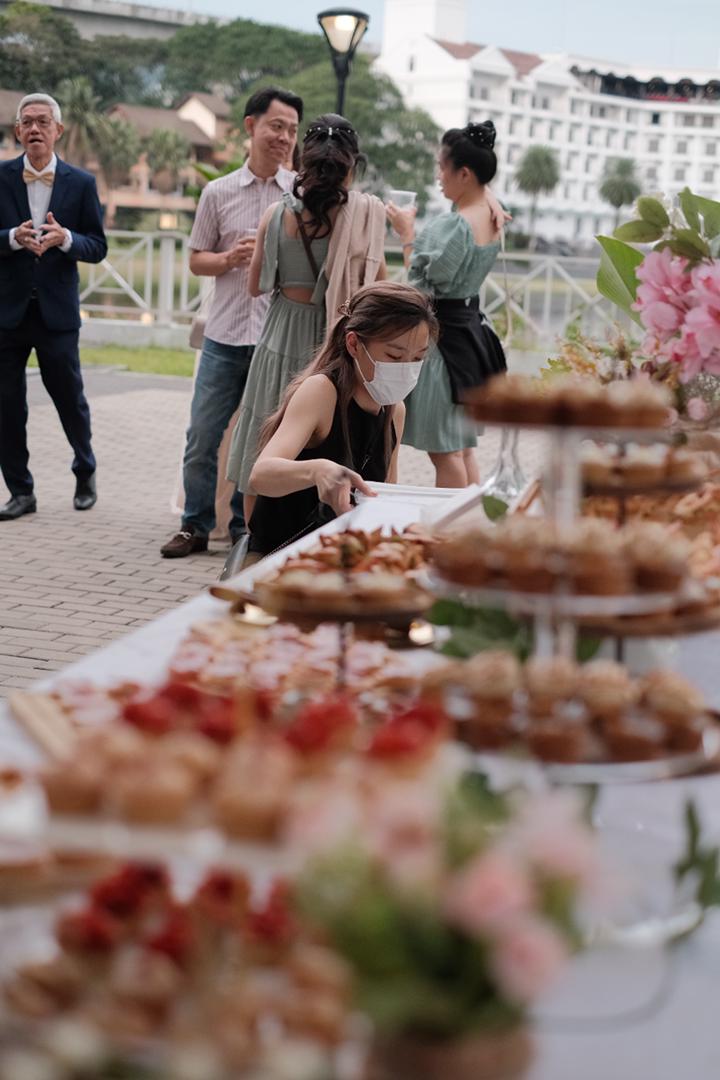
column 50, row 219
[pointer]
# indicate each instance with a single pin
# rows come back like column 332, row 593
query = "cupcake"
column 596, row 562
column 74, row 787
column 643, row 465
column 252, row 793
column 683, row 466
column 634, row 739
column 161, row 793
column 491, row 728
column 598, row 467
column 548, row 681
column 583, row 402
column 671, row 697
column 462, row 557
column 606, row 689
column 525, row 552
column 639, row 403
column 492, row 676
column 559, row 741
column 659, row 556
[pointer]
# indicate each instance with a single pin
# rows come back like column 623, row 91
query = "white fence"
column 145, row 282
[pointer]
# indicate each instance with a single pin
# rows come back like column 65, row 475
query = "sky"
column 663, row 32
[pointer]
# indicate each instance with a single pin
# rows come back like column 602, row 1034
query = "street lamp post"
column 343, row 29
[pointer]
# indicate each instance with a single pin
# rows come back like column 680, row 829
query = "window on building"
column 651, row 173
column 609, row 138
column 710, row 149
column 591, row 136
column 679, row 174
column 655, row 118
column 411, row 63
column 708, row 176
column 653, row 146
column 631, row 116
column 576, row 107
column 689, row 120
column 708, row 121
column 598, row 110
column 681, row 146
column 587, row 192
column 628, row 141
column 514, row 124
column 517, row 97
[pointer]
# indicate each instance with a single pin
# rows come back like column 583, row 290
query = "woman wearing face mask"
column 314, row 248
column 451, row 258
column 341, row 420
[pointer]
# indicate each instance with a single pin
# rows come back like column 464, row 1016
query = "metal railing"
column 146, row 279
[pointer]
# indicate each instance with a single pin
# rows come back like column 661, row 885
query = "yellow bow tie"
column 45, row 177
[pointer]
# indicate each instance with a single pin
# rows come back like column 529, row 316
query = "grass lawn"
column 150, row 360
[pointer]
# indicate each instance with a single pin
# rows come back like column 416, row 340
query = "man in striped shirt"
column 222, row 243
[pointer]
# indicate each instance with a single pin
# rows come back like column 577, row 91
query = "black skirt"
column 468, row 344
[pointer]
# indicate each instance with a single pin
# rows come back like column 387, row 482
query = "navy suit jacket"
column 54, row 275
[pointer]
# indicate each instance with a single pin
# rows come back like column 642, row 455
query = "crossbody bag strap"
column 307, row 245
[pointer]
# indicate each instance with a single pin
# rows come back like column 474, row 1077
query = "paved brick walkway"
column 71, row 582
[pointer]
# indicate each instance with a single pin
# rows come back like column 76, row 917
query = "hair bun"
column 481, row 134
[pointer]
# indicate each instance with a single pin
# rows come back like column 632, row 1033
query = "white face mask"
column 392, row 382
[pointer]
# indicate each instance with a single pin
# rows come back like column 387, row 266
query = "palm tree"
column 619, row 185
column 82, row 119
column 538, row 173
column 118, row 148
column 167, row 153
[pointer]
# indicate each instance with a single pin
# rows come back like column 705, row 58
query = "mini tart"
column 634, row 739
column 606, row 689
column 73, row 787
column 639, row 403
column 557, row 740
column 596, row 562
column 549, row 680
column 460, row 557
column 598, row 467
column 672, row 697
column 490, row 729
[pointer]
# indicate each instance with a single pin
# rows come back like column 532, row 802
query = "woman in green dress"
column 450, row 258
column 300, row 257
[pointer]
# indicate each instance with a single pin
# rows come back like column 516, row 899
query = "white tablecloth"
column 619, row 1015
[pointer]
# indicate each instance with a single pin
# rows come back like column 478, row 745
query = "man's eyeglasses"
column 42, row 122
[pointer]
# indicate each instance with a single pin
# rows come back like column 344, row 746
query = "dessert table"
column 630, row 1013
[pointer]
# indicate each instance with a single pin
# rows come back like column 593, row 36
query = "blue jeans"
column 219, row 386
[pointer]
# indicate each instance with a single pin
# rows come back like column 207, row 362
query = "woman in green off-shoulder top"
column 450, row 258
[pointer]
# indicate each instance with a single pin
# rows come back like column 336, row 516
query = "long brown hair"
column 329, row 152
column 379, row 311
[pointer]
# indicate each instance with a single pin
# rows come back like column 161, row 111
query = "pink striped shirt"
column 228, row 207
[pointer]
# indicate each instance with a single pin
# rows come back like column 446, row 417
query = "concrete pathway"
column 71, row 582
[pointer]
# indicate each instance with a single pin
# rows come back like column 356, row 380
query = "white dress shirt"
column 39, row 196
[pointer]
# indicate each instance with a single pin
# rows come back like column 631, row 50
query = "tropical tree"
column 167, row 153
column 538, row 173
column 118, row 148
column 39, row 47
column 82, row 119
column 620, row 185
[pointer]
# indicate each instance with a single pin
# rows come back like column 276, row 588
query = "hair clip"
column 344, row 308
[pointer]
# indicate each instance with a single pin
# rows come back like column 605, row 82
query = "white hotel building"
column 586, row 110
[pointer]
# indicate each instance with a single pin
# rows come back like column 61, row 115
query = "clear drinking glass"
column 401, row 199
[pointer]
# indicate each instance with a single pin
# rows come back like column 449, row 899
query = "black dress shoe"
column 85, row 493
column 186, row 542
column 17, row 506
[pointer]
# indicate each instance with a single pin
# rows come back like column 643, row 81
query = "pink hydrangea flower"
column 697, row 409
column 490, row 890
column 551, row 835
column 705, row 279
column 527, row 958
column 401, row 832
column 704, row 323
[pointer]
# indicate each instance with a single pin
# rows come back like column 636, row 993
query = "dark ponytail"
column 471, row 147
column 330, row 151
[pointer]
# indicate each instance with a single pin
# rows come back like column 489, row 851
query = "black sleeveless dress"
column 278, row 521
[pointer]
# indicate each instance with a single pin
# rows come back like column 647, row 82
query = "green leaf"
column 684, row 249
column 653, row 212
column 446, row 612
column 692, row 239
column 494, row 508
column 688, row 205
column 586, row 648
column 710, row 210
column 638, row 232
column 616, row 278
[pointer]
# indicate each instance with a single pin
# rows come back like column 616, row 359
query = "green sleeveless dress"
column 291, row 335
column 449, row 264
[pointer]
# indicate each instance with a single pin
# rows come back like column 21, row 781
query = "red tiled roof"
column 522, row 62
column 218, row 106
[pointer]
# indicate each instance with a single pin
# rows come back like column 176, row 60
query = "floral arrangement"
column 454, row 912
column 672, row 291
